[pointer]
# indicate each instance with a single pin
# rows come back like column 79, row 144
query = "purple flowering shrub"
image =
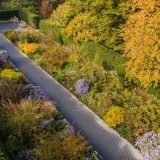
column 3, row 56
column 69, row 131
column 149, row 145
column 35, row 92
column 82, row 87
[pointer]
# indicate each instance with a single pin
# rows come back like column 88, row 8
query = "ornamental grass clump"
column 82, row 87
column 149, row 145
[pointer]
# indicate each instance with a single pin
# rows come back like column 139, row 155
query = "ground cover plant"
column 30, row 126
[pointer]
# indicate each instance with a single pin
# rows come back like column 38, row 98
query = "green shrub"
column 142, row 119
column 11, row 74
column 12, row 36
column 127, row 99
column 29, row 17
column 48, row 27
column 7, row 14
column 109, row 59
column 29, row 37
column 154, row 91
column 7, row 6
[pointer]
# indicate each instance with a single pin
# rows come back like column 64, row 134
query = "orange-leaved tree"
column 142, row 42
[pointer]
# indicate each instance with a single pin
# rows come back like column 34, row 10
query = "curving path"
column 105, row 140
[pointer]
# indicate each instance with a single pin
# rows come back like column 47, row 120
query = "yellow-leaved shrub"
column 141, row 35
column 114, row 116
column 28, row 48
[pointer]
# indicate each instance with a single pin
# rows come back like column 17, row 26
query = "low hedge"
column 48, row 27
column 7, row 14
column 109, row 59
column 7, row 6
column 29, row 17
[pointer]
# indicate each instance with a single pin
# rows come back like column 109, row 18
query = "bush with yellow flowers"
column 114, row 116
column 11, row 74
column 28, row 48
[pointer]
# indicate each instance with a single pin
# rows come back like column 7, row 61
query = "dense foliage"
column 88, row 20
column 141, row 33
column 30, row 126
column 83, row 51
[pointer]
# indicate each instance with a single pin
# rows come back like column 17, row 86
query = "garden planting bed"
column 30, row 126
column 109, row 95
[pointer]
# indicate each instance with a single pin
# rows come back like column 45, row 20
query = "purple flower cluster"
column 70, row 131
column 149, row 145
column 3, row 56
column 82, row 87
column 45, row 122
column 35, row 92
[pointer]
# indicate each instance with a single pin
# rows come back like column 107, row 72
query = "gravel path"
column 105, row 140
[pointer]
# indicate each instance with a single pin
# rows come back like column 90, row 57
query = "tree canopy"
column 142, row 47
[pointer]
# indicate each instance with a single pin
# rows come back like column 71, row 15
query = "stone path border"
column 109, row 144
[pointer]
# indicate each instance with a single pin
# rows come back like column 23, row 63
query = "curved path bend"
column 105, row 140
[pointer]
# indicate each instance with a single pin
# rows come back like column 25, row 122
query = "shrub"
column 7, row 6
column 92, row 21
column 74, row 147
column 29, row 37
column 55, row 57
column 142, row 119
column 105, row 57
column 62, row 15
column 127, row 98
column 28, row 48
column 12, row 36
column 29, row 17
column 11, row 74
column 52, row 147
column 7, row 14
column 115, row 116
column 48, row 27
column 142, row 52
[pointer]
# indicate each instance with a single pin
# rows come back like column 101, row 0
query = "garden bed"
column 109, row 95
column 30, row 125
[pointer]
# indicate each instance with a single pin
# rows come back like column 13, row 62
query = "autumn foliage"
column 45, row 9
column 142, row 47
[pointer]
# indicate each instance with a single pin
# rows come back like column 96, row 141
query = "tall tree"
column 142, row 42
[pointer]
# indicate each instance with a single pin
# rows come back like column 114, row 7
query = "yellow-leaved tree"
column 142, row 42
